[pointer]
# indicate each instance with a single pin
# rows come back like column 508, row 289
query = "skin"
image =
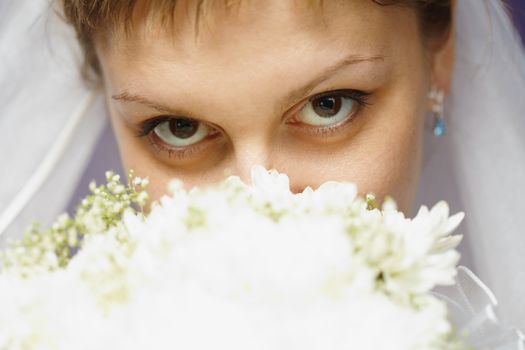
column 243, row 73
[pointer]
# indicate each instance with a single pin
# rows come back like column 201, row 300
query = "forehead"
column 122, row 17
column 211, row 21
column 250, row 46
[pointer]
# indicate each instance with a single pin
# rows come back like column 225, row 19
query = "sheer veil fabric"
column 479, row 166
column 52, row 125
column 49, row 120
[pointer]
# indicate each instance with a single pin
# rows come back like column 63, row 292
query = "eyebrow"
column 327, row 73
column 290, row 98
column 125, row 96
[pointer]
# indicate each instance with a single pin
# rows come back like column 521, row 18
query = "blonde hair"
column 93, row 17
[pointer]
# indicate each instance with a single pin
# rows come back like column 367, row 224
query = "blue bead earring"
column 437, row 98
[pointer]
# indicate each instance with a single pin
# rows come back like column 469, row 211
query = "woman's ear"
column 443, row 57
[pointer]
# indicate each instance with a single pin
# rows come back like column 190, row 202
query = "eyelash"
column 360, row 97
column 149, row 125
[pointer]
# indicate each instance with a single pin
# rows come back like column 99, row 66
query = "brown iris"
column 183, row 128
column 327, row 106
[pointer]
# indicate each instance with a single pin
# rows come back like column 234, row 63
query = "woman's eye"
column 327, row 110
column 181, row 132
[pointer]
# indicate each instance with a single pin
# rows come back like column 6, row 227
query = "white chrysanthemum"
column 236, row 267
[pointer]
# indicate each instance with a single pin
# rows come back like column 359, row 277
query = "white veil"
column 49, row 120
column 479, row 166
column 52, row 124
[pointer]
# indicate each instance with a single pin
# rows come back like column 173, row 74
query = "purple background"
column 518, row 10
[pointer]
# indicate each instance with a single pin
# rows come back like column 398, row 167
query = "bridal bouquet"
column 232, row 266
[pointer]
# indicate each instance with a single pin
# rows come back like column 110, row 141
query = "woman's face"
column 331, row 93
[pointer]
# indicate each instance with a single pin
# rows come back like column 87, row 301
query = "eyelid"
column 147, row 126
column 180, row 153
column 359, row 96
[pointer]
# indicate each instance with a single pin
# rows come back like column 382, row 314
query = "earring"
column 437, row 97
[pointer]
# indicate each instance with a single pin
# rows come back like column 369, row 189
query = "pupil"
column 183, row 127
column 327, row 106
